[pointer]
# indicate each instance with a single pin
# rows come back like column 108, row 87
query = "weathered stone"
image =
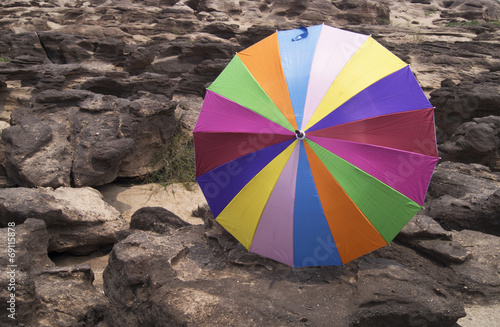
column 151, row 125
column 476, row 141
column 138, row 277
column 156, row 219
column 26, row 165
column 444, row 251
column 45, row 295
column 472, row 10
column 30, row 242
column 160, row 280
column 101, row 103
column 78, row 220
column 474, row 281
column 422, row 227
column 27, row 306
column 457, row 104
column 363, row 11
column 139, row 60
column 484, row 248
column 53, row 96
column 465, row 197
column 68, row 297
column 387, row 296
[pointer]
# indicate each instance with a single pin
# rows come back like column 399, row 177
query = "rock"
column 229, row 6
column 53, row 96
column 205, row 214
column 17, row 45
column 484, row 248
column 474, row 280
column 31, row 243
column 128, row 87
column 25, row 164
column 388, row 296
column 465, row 197
column 318, row 12
column 445, row 252
column 422, row 227
column 139, row 60
column 459, row 103
column 481, row 274
column 160, row 280
column 68, row 297
column 156, row 219
column 425, row 235
column 130, row 278
column 27, row 305
column 78, row 220
column 472, row 10
column 476, row 141
column 46, row 295
column 123, row 139
column 99, row 148
column 363, row 11
column 225, row 31
column 151, row 124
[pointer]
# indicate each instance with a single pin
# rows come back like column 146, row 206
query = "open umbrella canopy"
column 315, row 146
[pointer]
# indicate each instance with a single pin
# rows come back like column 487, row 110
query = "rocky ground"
column 90, row 91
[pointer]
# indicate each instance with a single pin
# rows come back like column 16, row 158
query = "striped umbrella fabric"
column 315, row 146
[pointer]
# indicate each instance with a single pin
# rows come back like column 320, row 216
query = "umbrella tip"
column 300, row 134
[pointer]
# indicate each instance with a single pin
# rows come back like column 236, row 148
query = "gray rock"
column 484, row 248
column 387, row 295
column 363, row 11
column 82, row 138
column 99, row 148
column 53, row 96
column 474, row 281
column 68, row 297
column 151, row 124
column 78, row 220
column 425, row 235
column 30, row 242
column 445, row 252
column 156, row 219
column 473, row 10
column 458, row 104
column 422, row 227
column 476, row 141
column 27, row 305
column 25, row 164
column 130, row 279
column 465, row 196
column 46, row 295
column 139, row 60
column 481, row 274
column 161, row 280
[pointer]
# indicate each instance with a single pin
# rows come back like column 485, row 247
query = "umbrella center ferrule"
column 300, row 134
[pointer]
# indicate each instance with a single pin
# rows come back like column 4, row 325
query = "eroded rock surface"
column 45, row 295
column 186, row 279
column 78, row 220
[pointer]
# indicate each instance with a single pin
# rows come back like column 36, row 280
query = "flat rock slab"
column 78, row 219
column 188, row 279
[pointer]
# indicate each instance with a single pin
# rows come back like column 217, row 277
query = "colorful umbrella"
column 315, row 146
